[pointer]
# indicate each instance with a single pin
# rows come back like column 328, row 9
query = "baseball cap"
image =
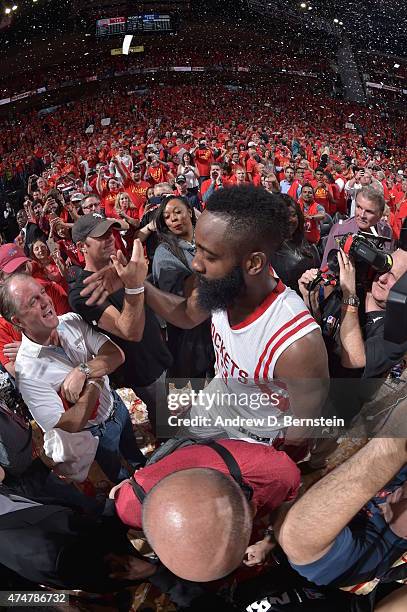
column 93, row 225
column 77, row 197
column 181, row 179
column 11, row 258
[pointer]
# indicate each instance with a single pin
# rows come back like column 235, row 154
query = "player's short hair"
column 255, row 216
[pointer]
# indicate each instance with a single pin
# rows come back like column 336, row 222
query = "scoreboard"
column 139, row 24
column 111, row 27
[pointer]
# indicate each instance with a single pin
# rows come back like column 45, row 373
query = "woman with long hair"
column 191, row 349
column 188, row 168
column 48, row 266
column 296, row 255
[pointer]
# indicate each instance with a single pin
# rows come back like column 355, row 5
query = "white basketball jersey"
column 246, row 355
column 250, row 350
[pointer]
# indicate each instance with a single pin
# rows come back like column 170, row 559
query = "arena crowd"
column 196, row 240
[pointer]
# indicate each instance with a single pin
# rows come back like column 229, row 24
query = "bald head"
column 199, row 523
column 385, row 282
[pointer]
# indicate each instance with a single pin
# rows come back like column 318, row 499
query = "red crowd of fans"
column 144, row 138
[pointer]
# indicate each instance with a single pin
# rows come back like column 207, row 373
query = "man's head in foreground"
column 199, row 523
column 383, row 283
column 235, row 238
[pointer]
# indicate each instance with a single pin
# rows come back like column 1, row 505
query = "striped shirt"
column 246, row 356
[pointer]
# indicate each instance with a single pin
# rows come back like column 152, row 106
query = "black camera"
column 362, row 250
column 369, row 260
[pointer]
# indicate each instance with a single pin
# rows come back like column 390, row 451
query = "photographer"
column 353, row 329
column 213, row 183
column 368, row 213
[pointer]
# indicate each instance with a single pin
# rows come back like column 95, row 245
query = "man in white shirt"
column 61, row 372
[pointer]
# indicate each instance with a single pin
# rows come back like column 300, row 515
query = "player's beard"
column 221, row 293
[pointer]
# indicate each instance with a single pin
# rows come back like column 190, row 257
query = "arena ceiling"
column 376, row 25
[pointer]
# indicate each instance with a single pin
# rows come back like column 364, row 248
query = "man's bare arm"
column 108, row 359
column 304, row 368
column 179, row 311
column 75, row 419
column 129, row 323
column 182, row 312
column 313, row 523
column 353, row 353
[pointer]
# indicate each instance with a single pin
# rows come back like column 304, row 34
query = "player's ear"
column 255, row 263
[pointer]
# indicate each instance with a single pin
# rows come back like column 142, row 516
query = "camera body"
column 367, row 256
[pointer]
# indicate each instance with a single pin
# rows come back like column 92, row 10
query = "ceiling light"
column 303, row 5
column 14, row 7
column 336, row 20
column 7, row 11
column 341, row 23
column 396, row 66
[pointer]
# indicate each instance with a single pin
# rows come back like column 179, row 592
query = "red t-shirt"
column 396, row 196
column 137, row 193
column 251, row 167
column 108, row 201
column 8, row 334
column 321, row 196
column 273, row 476
column 157, row 174
column 203, row 160
column 399, row 217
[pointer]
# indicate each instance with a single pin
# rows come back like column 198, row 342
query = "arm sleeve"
column 168, row 272
column 94, row 340
column 90, row 314
column 330, row 244
column 42, row 400
column 341, row 184
column 354, row 557
column 349, row 190
column 344, row 553
column 7, row 334
column 381, row 355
